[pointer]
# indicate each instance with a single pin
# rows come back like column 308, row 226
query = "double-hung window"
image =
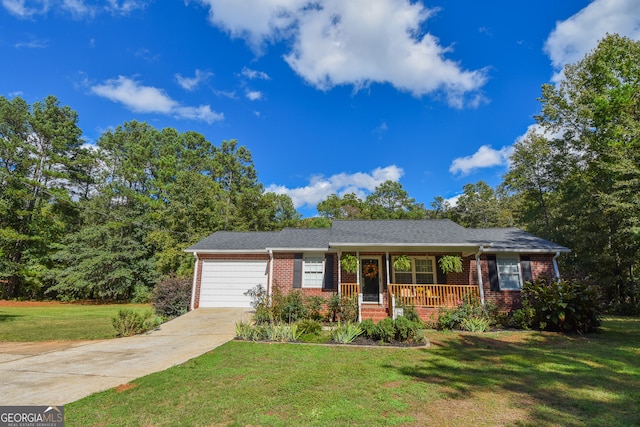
column 313, row 271
column 509, row 272
column 422, row 272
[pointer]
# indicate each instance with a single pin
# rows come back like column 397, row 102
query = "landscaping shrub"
column 314, row 305
column 288, row 308
column 260, row 302
column 171, row 297
column 346, row 333
column 409, row 311
column 128, row 322
column 268, row 332
column 470, row 311
column 292, row 307
column 563, row 305
column 522, row 318
column 369, row 329
column 309, row 326
column 342, row 308
column 388, row 330
column 475, row 324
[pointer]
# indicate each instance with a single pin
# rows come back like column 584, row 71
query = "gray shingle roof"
column 427, row 233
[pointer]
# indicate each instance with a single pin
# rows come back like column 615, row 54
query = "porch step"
column 374, row 313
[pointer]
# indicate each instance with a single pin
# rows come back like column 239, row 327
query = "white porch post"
column 270, row 281
column 358, row 270
column 195, row 280
column 388, row 270
column 339, row 274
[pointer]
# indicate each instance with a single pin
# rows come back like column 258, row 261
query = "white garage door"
column 225, row 282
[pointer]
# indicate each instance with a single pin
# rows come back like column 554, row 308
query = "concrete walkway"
column 55, row 376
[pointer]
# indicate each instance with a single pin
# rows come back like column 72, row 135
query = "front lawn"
column 502, row 378
column 56, row 321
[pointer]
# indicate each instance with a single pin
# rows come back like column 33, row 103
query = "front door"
column 370, row 277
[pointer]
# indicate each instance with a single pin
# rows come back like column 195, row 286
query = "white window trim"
column 304, row 271
column 413, row 268
column 510, row 257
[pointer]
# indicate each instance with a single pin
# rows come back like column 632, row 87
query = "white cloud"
column 356, row 42
column 253, row 95
column 26, row 8
column 202, row 113
column 33, row 44
column 190, row 83
column 485, row 157
column 254, row 74
column 254, row 20
column 575, row 37
column 320, row 187
column 453, row 201
column 77, row 8
column 125, row 7
column 148, row 99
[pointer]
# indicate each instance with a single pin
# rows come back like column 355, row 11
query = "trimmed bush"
column 388, row 330
column 171, row 297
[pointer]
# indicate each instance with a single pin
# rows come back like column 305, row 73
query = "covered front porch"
column 381, row 284
column 426, row 296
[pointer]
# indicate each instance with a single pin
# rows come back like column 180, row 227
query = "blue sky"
column 330, row 96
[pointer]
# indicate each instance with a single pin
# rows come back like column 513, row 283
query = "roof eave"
column 280, row 249
column 528, row 250
column 226, row 251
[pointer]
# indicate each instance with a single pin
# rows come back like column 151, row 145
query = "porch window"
column 509, row 272
column 313, row 271
column 422, row 272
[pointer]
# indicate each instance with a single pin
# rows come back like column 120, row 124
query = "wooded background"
column 109, row 221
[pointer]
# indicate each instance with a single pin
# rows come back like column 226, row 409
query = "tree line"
column 80, row 221
column 574, row 180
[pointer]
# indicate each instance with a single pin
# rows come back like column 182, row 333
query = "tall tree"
column 44, row 168
column 596, row 111
column 348, row 206
column 390, row 201
column 480, row 207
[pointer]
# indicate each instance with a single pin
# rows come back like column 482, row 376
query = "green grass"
column 60, row 321
column 506, row 378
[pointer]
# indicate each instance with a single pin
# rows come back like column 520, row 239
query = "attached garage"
column 224, row 282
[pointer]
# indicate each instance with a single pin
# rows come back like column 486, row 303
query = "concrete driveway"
column 59, row 373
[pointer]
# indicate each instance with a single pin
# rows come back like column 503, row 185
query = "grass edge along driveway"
column 53, row 321
column 505, row 378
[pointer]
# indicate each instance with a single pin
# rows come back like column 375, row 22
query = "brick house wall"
column 283, row 266
column 541, row 266
column 283, row 276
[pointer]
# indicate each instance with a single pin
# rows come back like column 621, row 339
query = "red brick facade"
column 283, row 277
